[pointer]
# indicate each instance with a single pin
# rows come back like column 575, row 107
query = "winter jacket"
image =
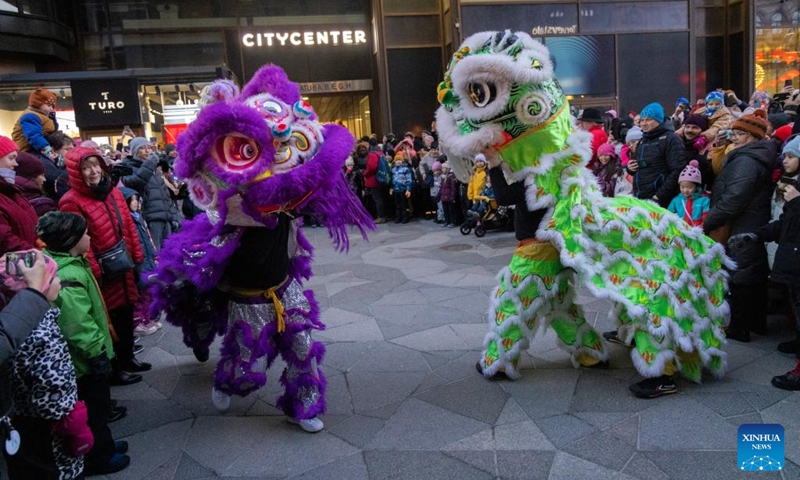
column 84, row 319
column 741, row 197
column 157, row 204
column 31, row 128
column 45, row 390
column 526, row 222
column 448, row 190
column 476, row 183
column 721, row 120
column 148, row 249
column 355, row 181
column 402, row 181
column 22, row 314
column 614, row 186
column 56, row 182
column 104, row 229
column 599, row 137
column 785, row 231
column 371, row 172
column 17, row 220
column 40, row 203
column 437, row 185
column 705, row 166
column 692, row 210
column 661, row 158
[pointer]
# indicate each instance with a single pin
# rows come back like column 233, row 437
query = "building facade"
column 373, row 64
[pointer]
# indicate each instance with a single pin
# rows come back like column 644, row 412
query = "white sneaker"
column 145, row 329
column 310, row 425
column 221, row 400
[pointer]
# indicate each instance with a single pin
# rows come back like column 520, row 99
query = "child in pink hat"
column 691, row 204
column 609, row 172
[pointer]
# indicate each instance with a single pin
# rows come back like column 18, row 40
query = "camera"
column 13, row 258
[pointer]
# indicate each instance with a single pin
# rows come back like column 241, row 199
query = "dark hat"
column 169, row 148
column 60, row 231
column 696, row 120
column 29, row 165
column 591, row 115
column 435, row 144
column 128, row 193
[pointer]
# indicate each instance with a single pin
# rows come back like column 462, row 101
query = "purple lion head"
column 251, row 155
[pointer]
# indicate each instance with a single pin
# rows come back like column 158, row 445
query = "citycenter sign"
column 325, row 37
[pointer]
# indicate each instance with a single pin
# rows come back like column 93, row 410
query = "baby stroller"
column 493, row 218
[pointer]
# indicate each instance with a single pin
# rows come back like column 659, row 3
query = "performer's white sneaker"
column 221, row 400
column 310, row 425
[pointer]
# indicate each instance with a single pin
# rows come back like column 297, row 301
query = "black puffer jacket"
column 706, row 171
column 661, row 158
column 785, row 231
column 741, row 197
column 141, row 176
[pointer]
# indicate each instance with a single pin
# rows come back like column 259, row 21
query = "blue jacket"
column 148, row 249
column 692, row 210
column 401, row 178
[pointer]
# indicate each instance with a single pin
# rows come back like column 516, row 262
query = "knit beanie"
column 168, row 148
column 791, row 104
column 480, row 158
column 682, row 101
column 7, row 146
column 606, row 149
column 446, row 165
column 349, row 162
column 697, row 120
column 715, row 95
column 14, row 283
column 783, row 133
column 136, row 144
column 634, row 134
column 29, row 165
column 793, row 147
column 42, row 96
column 436, row 167
column 399, row 156
column 61, row 231
column 654, row 111
column 755, row 124
column 691, row 173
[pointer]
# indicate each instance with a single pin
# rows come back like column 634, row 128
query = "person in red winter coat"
column 17, row 217
column 94, row 197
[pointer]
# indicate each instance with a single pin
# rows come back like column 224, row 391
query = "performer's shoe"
column 201, row 354
column 499, row 375
column 613, row 337
column 221, row 400
column 788, row 381
column 654, row 387
column 598, row 366
column 310, row 425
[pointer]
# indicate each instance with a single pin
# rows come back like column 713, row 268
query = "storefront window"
column 634, row 17
column 169, row 50
column 777, row 47
column 171, row 14
column 260, row 8
column 9, row 6
column 410, row 6
column 33, row 7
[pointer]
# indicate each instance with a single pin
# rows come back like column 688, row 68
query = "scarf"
column 102, row 189
column 8, row 175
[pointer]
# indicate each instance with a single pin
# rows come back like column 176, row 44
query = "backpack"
column 384, row 174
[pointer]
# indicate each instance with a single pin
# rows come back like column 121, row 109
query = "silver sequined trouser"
column 252, row 342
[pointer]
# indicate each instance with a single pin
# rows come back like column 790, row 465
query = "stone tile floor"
column 406, row 318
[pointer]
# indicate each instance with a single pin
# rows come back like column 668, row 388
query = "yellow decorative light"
column 759, row 75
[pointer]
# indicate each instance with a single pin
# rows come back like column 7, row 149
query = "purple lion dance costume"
column 256, row 162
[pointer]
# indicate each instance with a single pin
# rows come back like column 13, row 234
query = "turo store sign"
column 325, row 37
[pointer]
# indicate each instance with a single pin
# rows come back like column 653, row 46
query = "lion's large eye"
column 237, row 153
column 482, row 93
column 271, row 107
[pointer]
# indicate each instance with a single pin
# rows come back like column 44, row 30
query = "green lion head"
column 500, row 91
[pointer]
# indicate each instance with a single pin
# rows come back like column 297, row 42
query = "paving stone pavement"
column 406, row 317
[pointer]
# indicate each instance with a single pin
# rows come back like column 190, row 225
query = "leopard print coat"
column 45, row 387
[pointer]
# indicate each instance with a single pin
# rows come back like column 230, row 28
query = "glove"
column 738, row 241
column 74, row 426
column 100, row 365
column 700, row 143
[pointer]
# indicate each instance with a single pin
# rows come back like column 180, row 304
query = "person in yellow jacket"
column 478, row 179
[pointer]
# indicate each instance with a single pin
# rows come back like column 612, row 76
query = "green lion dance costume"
column 665, row 279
